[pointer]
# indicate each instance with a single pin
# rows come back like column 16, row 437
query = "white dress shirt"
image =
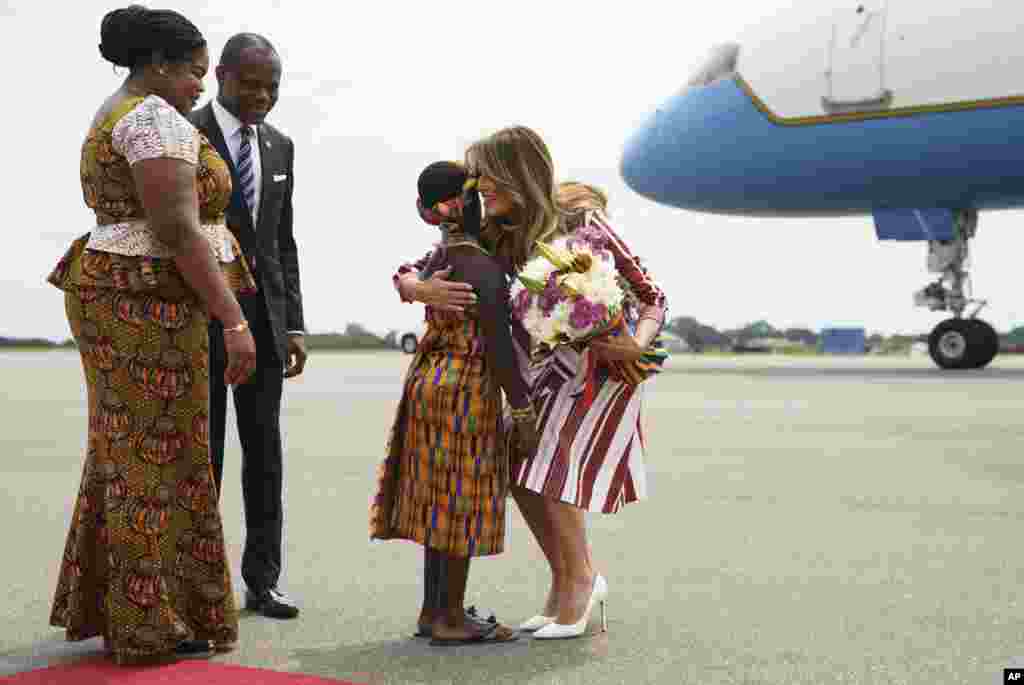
column 231, row 127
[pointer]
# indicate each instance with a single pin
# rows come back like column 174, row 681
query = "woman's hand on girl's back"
column 440, row 293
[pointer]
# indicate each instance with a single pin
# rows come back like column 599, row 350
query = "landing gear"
column 957, row 342
column 963, row 344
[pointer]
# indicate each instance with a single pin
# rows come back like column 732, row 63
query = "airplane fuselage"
column 912, row 112
column 828, row 110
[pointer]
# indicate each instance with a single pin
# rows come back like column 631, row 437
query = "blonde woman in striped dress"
column 591, row 454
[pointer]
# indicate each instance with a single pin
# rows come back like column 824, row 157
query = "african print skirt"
column 144, row 564
column 444, row 483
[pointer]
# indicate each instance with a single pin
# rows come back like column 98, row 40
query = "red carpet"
column 105, row 672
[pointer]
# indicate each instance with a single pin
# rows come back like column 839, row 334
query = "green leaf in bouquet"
column 534, row 286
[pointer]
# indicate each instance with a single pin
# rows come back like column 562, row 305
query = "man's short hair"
column 231, row 56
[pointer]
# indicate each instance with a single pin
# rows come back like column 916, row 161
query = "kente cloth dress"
column 444, row 481
column 144, row 564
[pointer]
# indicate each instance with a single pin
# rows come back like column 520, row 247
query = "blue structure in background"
column 915, row 224
column 843, row 341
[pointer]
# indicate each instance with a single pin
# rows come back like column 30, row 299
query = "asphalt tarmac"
column 810, row 521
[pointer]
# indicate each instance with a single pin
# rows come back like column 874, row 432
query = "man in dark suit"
column 260, row 216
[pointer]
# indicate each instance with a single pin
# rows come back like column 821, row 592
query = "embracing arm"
column 436, row 291
column 409, row 271
column 495, row 318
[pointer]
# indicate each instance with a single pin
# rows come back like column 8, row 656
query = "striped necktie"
column 246, row 172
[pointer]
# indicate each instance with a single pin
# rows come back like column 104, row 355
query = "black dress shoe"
column 194, row 648
column 271, row 603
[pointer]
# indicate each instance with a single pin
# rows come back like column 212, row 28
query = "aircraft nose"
column 676, row 155
column 646, row 166
column 682, row 154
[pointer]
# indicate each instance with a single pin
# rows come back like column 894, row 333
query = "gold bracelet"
column 525, row 414
column 244, row 326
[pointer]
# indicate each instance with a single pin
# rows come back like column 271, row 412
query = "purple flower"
column 585, row 314
column 551, row 295
column 592, row 236
column 580, row 317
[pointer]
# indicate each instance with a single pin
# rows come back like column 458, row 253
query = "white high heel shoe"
column 561, row 631
column 534, row 624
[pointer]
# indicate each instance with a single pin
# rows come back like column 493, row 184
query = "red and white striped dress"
column 589, row 456
column 592, row 456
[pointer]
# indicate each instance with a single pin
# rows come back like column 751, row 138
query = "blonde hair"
column 519, row 163
column 576, row 200
column 574, row 196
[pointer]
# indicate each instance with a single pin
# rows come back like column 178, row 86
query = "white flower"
column 547, row 330
column 600, row 284
column 577, row 282
column 538, row 269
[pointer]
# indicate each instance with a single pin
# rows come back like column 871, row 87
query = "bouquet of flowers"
column 572, row 294
column 569, row 294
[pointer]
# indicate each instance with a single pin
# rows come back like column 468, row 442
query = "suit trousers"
column 258, row 414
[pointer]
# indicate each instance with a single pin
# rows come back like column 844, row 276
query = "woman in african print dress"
column 444, row 482
column 144, row 563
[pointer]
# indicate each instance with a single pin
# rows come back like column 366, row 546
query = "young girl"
column 445, row 480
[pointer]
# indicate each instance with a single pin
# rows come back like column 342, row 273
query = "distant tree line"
column 354, row 337
column 699, row 336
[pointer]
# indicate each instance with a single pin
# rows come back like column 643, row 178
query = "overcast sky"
column 373, row 93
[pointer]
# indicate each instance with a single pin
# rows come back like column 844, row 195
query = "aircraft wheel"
column 949, row 343
column 963, row 344
column 988, row 343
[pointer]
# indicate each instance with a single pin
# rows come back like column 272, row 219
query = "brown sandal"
column 472, row 616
